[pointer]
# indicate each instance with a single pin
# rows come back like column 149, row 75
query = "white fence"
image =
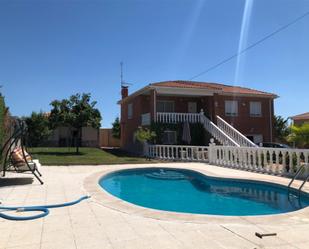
column 274, row 161
column 177, row 152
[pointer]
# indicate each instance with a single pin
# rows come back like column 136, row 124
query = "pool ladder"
column 295, row 176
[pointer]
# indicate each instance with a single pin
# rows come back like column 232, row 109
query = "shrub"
column 144, row 135
column 300, row 135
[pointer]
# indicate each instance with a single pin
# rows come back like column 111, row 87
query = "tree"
column 38, row 128
column 116, row 129
column 281, row 128
column 76, row 112
column 300, row 135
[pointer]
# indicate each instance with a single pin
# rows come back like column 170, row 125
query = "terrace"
column 105, row 222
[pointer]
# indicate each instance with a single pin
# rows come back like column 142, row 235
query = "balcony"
column 174, row 117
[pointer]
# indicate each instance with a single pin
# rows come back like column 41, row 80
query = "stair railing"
column 216, row 132
column 237, row 136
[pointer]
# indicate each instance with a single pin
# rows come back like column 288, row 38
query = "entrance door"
column 192, row 107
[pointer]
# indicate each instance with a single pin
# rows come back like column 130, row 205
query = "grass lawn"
column 87, row 156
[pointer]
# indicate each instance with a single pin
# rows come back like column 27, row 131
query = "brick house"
column 233, row 115
column 300, row 118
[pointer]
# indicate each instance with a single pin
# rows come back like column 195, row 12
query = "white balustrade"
column 175, row 117
column 216, row 132
column 177, row 152
column 276, row 161
column 234, row 134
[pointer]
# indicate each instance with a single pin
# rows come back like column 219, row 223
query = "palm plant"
column 299, row 135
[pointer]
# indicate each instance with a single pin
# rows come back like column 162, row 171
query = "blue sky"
column 52, row 49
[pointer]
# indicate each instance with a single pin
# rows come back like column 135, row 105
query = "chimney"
column 124, row 92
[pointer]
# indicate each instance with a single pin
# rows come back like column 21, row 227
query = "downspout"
column 155, row 105
column 271, row 119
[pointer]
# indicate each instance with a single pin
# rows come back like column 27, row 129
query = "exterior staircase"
column 225, row 133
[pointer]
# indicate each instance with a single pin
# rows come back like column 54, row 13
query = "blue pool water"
column 188, row 191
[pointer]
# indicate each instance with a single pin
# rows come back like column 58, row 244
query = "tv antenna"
column 122, row 82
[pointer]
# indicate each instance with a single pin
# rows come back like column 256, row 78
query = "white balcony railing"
column 146, row 119
column 234, row 134
column 174, row 117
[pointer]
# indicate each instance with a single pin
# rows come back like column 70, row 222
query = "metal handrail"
column 297, row 173
column 304, row 182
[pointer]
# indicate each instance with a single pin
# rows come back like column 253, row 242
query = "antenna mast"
column 122, row 82
column 121, row 73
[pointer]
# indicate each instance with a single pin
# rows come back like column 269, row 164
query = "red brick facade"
column 212, row 106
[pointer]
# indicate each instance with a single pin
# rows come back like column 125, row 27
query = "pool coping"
column 102, row 197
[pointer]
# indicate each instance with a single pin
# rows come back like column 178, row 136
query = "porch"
column 164, row 104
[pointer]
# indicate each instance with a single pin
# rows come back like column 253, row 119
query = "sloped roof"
column 228, row 89
column 303, row 116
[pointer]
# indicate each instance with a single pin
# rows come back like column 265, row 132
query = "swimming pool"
column 188, row 191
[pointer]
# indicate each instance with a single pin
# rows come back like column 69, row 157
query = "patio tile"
column 248, row 233
column 55, row 223
column 31, row 246
column 83, row 221
column 59, row 245
column 65, row 236
column 120, row 232
column 91, row 237
column 24, row 237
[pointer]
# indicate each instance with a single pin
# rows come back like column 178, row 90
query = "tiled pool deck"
column 106, row 222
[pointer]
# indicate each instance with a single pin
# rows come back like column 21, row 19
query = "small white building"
column 66, row 136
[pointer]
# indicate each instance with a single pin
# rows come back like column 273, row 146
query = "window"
column 231, row 108
column 255, row 109
column 169, row 137
column 130, row 111
column 165, row 106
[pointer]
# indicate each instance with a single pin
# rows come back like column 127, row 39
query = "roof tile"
column 303, row 116
column 215, row 86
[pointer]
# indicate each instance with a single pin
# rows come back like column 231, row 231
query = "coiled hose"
column 43, row 209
